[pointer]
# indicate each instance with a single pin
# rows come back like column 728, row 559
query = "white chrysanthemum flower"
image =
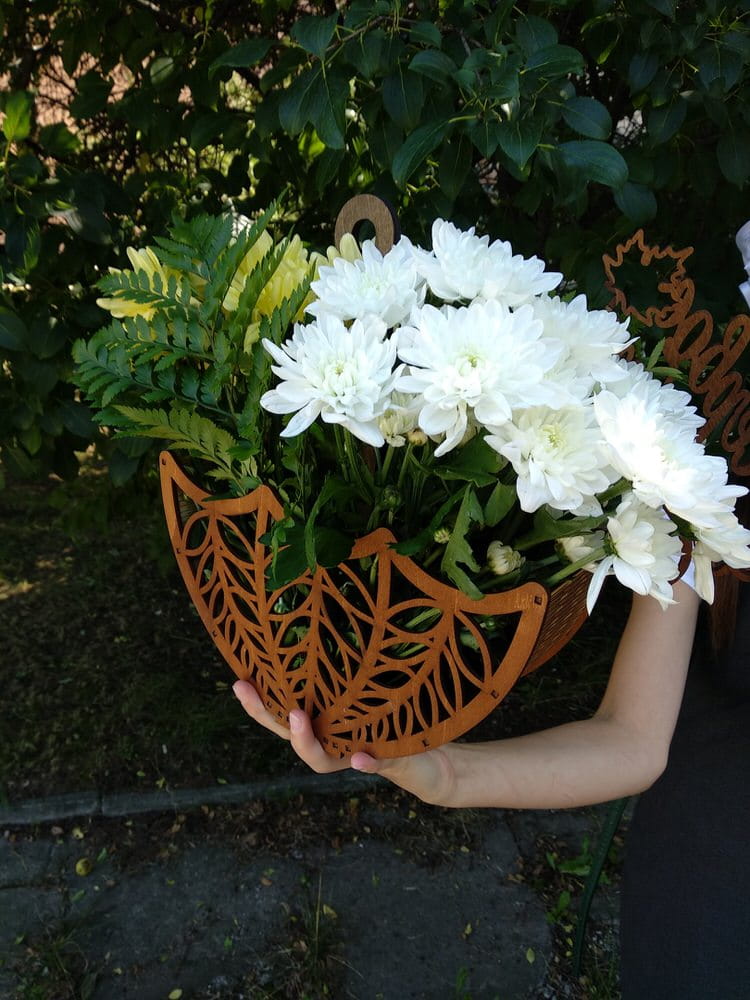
column 400, row 419
column 345, row 376
column 650, row 431
column 657, row 397
column 463, row 265
column 574, row 548
column 592, row 337
column 726, row 541
column 473, row 365
column 643, row 554
column 558, row 456
column 387, row 285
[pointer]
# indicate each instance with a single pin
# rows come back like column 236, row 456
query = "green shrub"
column 560, row 126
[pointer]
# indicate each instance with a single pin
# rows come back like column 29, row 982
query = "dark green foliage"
column 559, row 126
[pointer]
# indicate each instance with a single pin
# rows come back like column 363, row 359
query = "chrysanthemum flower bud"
column 442, row 536
column 390, row 498
column 577, row 547
column 503, row 559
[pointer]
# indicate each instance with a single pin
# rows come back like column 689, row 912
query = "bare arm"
column 621, row 750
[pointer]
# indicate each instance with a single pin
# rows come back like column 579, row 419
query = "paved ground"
column 190, row 899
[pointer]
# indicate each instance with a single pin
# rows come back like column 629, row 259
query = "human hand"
column 429, row 776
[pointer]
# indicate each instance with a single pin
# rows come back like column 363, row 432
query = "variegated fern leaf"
column 182, row 360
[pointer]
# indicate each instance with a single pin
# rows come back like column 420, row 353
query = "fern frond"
column 194, row 245
column 225, row 265
column 148, row 290
column 276, row 326
column 184, row 429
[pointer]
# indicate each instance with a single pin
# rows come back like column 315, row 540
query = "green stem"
column 432, row 557
column 350, row 462
column 572, row 568
column 404, row 463
column 385, row 468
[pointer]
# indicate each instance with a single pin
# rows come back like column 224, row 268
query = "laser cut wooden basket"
column 348, row 651
column 344, row 651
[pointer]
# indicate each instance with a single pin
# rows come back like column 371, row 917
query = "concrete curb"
column 76, row 805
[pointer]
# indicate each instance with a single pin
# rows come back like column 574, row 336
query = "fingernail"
column 295, row 722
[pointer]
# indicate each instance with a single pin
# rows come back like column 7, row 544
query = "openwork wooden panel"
column 377, row 651
column 692, row 343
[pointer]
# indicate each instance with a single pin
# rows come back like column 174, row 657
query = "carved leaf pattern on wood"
column 397, row 664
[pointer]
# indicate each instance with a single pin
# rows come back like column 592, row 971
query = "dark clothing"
column 685, row 932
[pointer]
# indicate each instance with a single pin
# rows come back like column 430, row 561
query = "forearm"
column 577, row 764
column 620, row 751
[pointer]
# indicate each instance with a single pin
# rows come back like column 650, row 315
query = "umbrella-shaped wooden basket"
column 400, row 662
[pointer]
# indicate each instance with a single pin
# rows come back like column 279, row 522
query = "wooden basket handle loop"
column 368, row 208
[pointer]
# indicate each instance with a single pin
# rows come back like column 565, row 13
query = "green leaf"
column 319, row 97
column 500, row 503
column 46, row 336
column 17, row 122
column 26, row 169
column 662, row 123
column 475, row 462
column 314, row 33
column 642, row 70
column 733, row 154
column 665, row 7
column 289, row 562
column 13, row 331
column 739, row 42
column 547, row 528
column 331, row 546
column 434, row 64
column 556, row 60
column 588, row 117
column 416, row 149
column 368, row 54
column 717, row 63
column 333, row 489
column 485, row 135
column 58, row 141
column 92, row 94
column 425, row 33
column 328, row 110
column 534, row 33
column 596, row 161
column 637, row 202
column 455, row 164
column 358, row 12
column 519, row 139
column 327, row 166
column 161, row 70
column 77, row 419
column 458, row 549
column 206, row 128
column 403, row 97
column 506, row 83
column 247, row 53
column 296, row 104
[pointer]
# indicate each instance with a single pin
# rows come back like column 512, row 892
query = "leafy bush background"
column 559, row 126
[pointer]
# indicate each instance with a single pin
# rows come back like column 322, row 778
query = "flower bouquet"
column 427, row 461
